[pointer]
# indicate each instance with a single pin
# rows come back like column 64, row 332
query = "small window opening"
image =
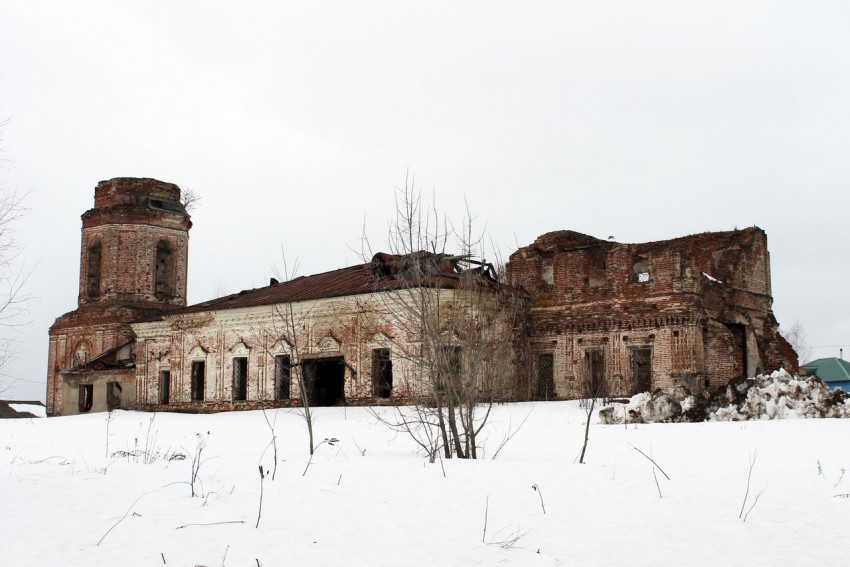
column 198, row 377
column 382, row 373
column 240, row 378
column 163, row 284
column 283, row 373
column 545, row 377
column 164, row 387
column 85, row 399
column 641, row 269
column 93, row 270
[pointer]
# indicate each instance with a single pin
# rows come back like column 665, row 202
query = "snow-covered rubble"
column 778, row 395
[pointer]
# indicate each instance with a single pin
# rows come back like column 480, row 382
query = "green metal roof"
column 829, row 369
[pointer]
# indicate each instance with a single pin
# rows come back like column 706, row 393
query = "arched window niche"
column 164, row 270
column 93, row 269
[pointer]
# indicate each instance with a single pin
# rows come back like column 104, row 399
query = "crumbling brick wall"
column 701, row 306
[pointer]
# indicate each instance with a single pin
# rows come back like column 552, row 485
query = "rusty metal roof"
column 364, row 278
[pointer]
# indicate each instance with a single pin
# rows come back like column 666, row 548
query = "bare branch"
column 650, row 460
column 191, row 199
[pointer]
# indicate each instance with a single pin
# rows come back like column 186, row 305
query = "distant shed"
column 834, row 371
column 18, row 409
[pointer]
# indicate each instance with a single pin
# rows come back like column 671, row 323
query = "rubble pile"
column 778, row 395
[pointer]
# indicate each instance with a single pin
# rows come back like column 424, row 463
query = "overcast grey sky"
column 643, row 120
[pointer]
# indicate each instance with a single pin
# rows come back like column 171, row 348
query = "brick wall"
column 680, row 298
column 347, row 328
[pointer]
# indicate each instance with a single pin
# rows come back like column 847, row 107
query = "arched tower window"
column 163, row 273
column 93, row 270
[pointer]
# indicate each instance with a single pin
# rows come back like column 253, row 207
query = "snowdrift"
column 779, row 395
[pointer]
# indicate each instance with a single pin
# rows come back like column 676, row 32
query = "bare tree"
column 451, row 320
column 799, row 339
column 288, row 320
column 287, row 323
column 13, row 277
column 594, row 387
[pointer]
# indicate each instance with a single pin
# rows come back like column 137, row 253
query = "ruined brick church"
column 597, row 318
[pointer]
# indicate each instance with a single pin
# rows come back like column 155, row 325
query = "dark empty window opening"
column 382, row 373
column 166, row 204
column 113, row 395
column 199, row 372
column 325, row 381
column 282, row 375
column 163, row 277
column 448, row 369
column 641, row 269
column 545, row 387
column 85, row 400
column 93, row 270
column 597, row 269
column 240, row 378
column 164, row 387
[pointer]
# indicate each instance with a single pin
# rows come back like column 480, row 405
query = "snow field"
column 61, row 494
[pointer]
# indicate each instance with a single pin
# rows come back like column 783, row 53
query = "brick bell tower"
column 133, row 267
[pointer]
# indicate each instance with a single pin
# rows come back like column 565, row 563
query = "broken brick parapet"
column 601, row 270
column 133, row 191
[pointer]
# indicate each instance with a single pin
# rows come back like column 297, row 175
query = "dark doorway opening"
column 641, row 370
column 164, row 387
column 382, row 373
column 85, row 401
column 545, row 387
column 325, row 381
column 594, row 375
column 739, row 349
column 198, row 373
column 113, row 395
